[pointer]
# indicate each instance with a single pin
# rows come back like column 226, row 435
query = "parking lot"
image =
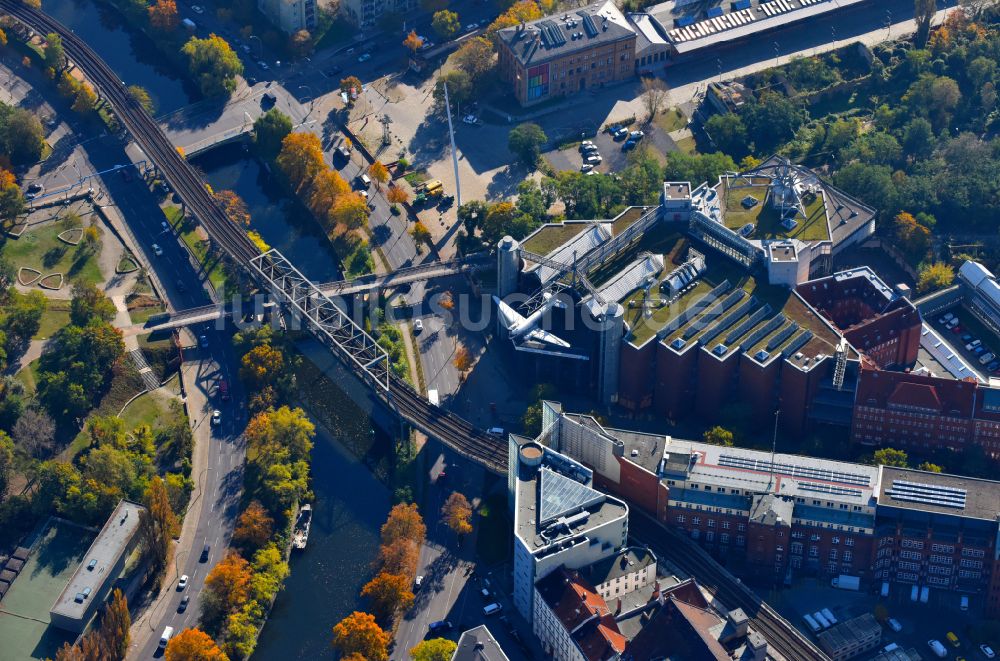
column 920, row 622
column 969, row 338
column 614, row 157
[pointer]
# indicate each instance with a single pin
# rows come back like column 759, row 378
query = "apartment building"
column 365, row 13
column 560, row 55
column 789, row 515
column 289, row 16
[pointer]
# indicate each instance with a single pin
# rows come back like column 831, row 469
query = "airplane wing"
column 544, row 336
column 509, row 316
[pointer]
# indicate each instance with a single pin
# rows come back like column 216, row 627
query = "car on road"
column 181, row 287
column 33, row 191
column 245, row 48
column 586, row 167
column 470, row 119
column 417, row 582
column 494, row 608
column 418, row 325
column 987, row 651
column 263, row 65
column 472, row 26
column 894, row 624
column 593, row 159
column 198, row 9
column 203, row 341
column 165, row 226
column 204, row 553
column 364, row 57
column 182, row 583
column 157, row 250
column 181, row 607
column 216, row 418
column 440, row 626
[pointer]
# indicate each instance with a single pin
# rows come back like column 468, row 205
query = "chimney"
column 618, row 608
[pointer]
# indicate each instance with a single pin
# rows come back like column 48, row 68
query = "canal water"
column 282, row 223
column 128, row 52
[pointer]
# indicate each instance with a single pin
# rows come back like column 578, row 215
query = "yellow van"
column 953, row 639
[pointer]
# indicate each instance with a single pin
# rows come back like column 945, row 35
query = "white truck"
column 845, row 582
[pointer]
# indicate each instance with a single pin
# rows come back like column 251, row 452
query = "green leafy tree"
column 696, row 167
column 24, row 318
column 718, row 436
column 55, row 57
column 728, row 133
column 12, row 203
column 213, row 63
column 929, row 467
column 6, row 462
column 90, row 303
column 935, row 276
column 22, row 137
column 446, row 24
column 141, row 95
column 891, row 457
column 269, row 130
column 460, row 89
column 772, row 120
column 525, row 141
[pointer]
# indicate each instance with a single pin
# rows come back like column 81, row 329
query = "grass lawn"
column 550, row 237
column 416, row 177
column 29, row 377
column 687, row 145
column 40, row 249
column 142, row 315
column 197, row 247
column 55, row 316
column 671, row 120
column 812, row 227
column 151, row 409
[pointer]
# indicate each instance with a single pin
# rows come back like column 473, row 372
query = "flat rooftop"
column 25, row 631
column 939, row 493
column 478, row 644
column 550, row 493
column 690, row 26
column 677, row 190
column 113, row 540
column 812, row 223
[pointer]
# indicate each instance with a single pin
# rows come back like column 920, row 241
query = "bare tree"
column 923, row 14
column 654, row 95
column 35, row 433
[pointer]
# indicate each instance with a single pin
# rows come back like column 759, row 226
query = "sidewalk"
column 142, row 630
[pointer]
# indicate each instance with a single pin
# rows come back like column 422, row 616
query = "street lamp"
column 888, row 23
column 718, row 61
column 776, row 49
column 833, row 33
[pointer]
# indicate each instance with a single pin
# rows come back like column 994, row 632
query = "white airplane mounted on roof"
column 527, row 328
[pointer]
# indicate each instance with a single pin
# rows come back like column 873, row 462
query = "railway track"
column 448, row 428
column 692, row 559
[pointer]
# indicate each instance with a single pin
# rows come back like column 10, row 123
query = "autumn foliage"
column 404, row 522
column 520, row 12
column 227, row 586
column 234, row 207
column 388, row 594
column 463, row 359
column 193, row 645
column 163, row 15
column 358, row 633
column 413, row 42
column 254, row 527
column 396, row 195
column 457, row 513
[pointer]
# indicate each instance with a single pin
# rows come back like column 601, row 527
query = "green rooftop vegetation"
column 812, row 226
column 550, row 237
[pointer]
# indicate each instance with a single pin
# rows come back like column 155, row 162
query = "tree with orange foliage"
column 262, row 365
column 350, row 85
column 11, row 198
column 396, row 195
column 234, row 207
column 914, row 238
column 193, row 645
column 163, row 15
column 379, row 173
column 388, row 594
column 327, row 187
column 404, row 522
column 350, row 210
column 301, row 43
column 301, row 158
column 227, row 587
column 358, row 634
column 420, row 233
column 520, row 12
column 399, row 557
column 254, row 527
column 457, row 512
column 463, row 360
column 413, row 42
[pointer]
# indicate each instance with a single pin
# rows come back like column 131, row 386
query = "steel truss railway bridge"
column 294, row 293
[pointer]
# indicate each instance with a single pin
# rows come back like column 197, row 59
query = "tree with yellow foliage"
column 163, row 15
column 301, row 158
column 457, row 513
column 234, row 207
column 379, row 173
column 227, row 587
column 262, row 365
column 520, row 12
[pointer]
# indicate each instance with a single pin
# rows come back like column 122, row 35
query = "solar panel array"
column 760, row 465
column 786, row 333
column 764, row 330
column 561, row 495
column 750, row 322
column 552, row 36
column 797, row 343
column 928, row 494
column 729, row 320
column 714, row 313
column 819, row 487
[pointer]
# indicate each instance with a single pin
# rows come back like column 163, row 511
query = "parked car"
column 493, row 609
column 589, row 149
column 967, row 337
column 364, row 57
column 33, row 191
column 203, row 341
column 182, row 583
column 992, row 367
column 593, row 159
column 157, row 250
column 471, row 119
column 987, row 651
column 439, row 627
column 937, row 648
column 953, row 639
column 629, row 144
column 979, row 350
column 585, row 144
column 636, row 135
column 417, row 582
column 472, row 26
column 216, row 418
column 586, row 167
column 418, row 325
column 620, row 133
column 197, row 9
column 894, row 624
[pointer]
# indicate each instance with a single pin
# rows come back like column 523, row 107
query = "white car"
column 987, row 651
column 364, row 57
column 470, row 119
column 197, row 9
column 586, row 167
column 418, row 325
column 263, row 65
column 157, row 250
column 216, row 418
column 472, row 26
column 593, row 159
column 585, row 144
column 636, row 135
column 183, row 583
column 894, row 624
column 245, row 48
